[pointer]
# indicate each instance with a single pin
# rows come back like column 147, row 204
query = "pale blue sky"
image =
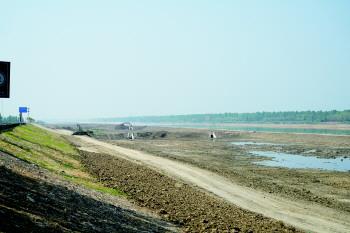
column 82, row 59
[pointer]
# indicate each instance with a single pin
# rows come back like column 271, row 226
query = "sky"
column 86, row 59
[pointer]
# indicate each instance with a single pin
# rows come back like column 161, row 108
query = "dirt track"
column 186, row 206
column 299, row 214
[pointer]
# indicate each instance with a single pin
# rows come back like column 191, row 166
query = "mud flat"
column 326, row 128
column 328, row 188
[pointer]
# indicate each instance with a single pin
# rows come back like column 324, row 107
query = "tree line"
column 258, row 117
column 8, row 119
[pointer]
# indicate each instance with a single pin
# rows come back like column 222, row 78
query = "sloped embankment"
column 34, row 199
column 50, row 151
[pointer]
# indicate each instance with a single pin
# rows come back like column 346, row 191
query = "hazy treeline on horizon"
column 258, row 117
column 8, row 119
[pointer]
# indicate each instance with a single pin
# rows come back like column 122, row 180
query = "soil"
column 35, row 200
column 176, row 201
column 297, row 213
column 308, row 186
column 328, row 188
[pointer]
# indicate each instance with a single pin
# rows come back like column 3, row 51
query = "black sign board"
column 4, row 79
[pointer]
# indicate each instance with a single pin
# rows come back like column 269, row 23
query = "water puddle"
column 299, row 161
column 255, row 143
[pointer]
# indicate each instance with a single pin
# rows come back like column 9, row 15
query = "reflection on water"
column 299, row 161
column 255, row 143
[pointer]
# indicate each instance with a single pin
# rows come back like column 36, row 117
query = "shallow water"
column 300, row 161
column 254, row 143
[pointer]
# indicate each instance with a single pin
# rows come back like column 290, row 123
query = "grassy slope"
column 49, row 151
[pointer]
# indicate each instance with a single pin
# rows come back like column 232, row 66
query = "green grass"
column 52, row 152
column 45, row 138
column 94, row 185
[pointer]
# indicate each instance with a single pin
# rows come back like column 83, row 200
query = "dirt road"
column 299, row 214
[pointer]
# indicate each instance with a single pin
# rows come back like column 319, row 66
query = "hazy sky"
column 118, row 58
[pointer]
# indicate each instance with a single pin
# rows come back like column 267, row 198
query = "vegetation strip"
column 177, row 202
column 50, row 151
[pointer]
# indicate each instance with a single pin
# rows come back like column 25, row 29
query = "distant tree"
column 9, row 119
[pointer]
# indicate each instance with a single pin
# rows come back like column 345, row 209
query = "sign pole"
column 22, row 110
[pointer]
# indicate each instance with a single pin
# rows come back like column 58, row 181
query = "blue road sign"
column 23, row 109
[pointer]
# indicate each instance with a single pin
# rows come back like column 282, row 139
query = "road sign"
column 23, row 109
column 4, row 79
